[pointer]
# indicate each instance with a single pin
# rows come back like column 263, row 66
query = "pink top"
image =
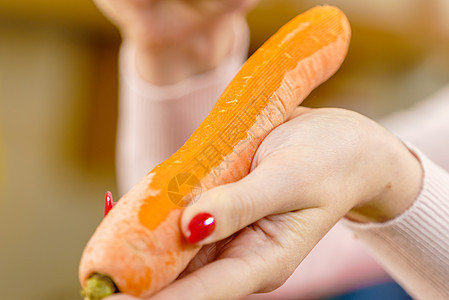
column 414, row 248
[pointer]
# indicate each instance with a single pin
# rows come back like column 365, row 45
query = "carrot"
column 139, row 245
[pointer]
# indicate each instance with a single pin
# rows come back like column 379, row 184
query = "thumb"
column 224, row 210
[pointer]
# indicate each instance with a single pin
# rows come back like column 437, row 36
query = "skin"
column 317, row 168
column 177, row 39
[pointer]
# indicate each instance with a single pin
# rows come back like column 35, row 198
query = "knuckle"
column 278, row 271
column 242, row 208
column 275, row 282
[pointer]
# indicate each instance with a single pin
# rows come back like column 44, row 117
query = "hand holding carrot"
column 307, row 174
column 322, row 162
column 177, row 39
column 322, row 165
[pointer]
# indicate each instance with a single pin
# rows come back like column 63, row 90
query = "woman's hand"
column 180, row 38
column 320, row 166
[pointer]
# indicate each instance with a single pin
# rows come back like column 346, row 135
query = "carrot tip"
column 98, row 286
column 108, row 203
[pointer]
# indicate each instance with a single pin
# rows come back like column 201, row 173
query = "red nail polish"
column 108, row 203
column 200, row 227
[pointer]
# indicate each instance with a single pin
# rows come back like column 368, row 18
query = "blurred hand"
column 177, row 39
column 159, row 22
column 320, row 166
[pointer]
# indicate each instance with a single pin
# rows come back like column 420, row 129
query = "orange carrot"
column 139, row 245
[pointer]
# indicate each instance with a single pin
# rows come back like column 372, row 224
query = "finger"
column 222, row 211
column 260, row 258
column 229, row 278
column 206, row 255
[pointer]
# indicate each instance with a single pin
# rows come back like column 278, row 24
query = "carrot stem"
column 98, row 286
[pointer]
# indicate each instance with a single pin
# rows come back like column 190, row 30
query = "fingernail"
column 200, row 227
column 108, row 203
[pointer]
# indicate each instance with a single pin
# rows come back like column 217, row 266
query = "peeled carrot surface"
column 139, row 245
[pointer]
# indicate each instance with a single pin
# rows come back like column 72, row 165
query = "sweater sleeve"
column 414, row 247
column 154, row 121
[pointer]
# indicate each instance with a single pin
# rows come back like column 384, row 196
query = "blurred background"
column 58, row 112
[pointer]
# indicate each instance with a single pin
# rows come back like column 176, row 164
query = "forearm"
column 414, row 246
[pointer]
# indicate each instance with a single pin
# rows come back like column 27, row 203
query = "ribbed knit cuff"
column 414, row 247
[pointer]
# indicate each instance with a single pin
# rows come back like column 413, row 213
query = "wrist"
column 197, row 52
column 400, row 188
